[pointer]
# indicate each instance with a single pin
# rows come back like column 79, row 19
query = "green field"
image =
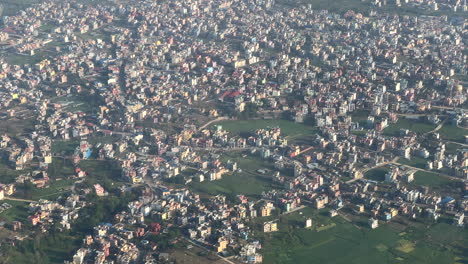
column 377, row 174
column 346, row 243
column 412, row 125
column 430, row 179
column 414, row 162
column 15, row 127
column 105, row 172
column 295, row 132
column 7, row 174
column 249, row 182
column 56, row 188
column 452, row 148
column 18, row 211
column 12, row 7
column 364, row 6
column 67, row 147
column 453, row 133
column 60, row 168
column 52, row 247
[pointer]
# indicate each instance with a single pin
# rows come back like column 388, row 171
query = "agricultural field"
column 377, row 174
column 53, row 248
column 12, row 7
column 55, row 189
column 249, row 182
column 15, row 127
column 7, row 173
column 364, row 6
column 18, row 211
column 295, row 132
column 453, row 133
column 430, row 179
column 345, row 242
column 413, row 125
column 103, row 172
column 414, row 162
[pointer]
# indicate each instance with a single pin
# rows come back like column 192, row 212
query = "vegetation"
column 294, row 131
column 414, row 162
column 453, row 133
column 107, row 173
column 412, row 125
column 249, row 182
column 15, row 127
column 52, row 247
column 363, row 6
column 18, row 211
column 12, row 7
column 356, row 243
column 377, row 174
column 7, row 174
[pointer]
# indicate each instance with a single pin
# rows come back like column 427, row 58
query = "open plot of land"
column 410, row 124
column 414, row 162
column 345, row 243
column 295, row 132
column 54, row 190
column 360, row 116
column 377, row 174
column 248, row 182
column 67, row 147
column 195, row 255
column 453, row 133
column 430, row 179
column 12, row 7
column 452, row 148
column 7, row 174
column 18, row 211
column 363, row 6
column 52, row 248
column 60, row 168
column 15, row 127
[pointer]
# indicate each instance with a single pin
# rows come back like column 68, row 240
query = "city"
column 234, row 131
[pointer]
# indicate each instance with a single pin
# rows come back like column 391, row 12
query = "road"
column 221, row 118
column 19, row 200
column 449, row 107
column 437, row 128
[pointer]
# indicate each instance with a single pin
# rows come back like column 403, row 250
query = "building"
column 373, row 223
column 270, row 227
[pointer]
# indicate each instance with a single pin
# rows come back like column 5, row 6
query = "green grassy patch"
column 360, row 116
column 453, row 133
column 15, row 127
column 18, row 211
column 61, row 168
column 377, row 174
column 7, row 174
column 410, row 124
column 55, row 189
column 341, row 6
column 52, row 247
column 295, row 132
column 248, row 182
column 66, row 147
column 345, row 243
column 12, row 7
column 430, row 179
column 414, row 162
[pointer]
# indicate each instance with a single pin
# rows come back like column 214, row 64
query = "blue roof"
column 447, row 199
